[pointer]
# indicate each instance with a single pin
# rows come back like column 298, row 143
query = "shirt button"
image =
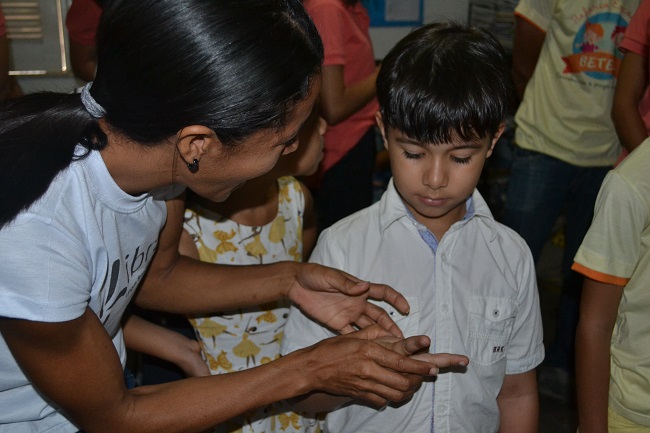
column 444, row 308
column 444, row 257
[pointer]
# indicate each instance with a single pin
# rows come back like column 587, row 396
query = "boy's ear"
column 380, row 124
column 194, row 141
column 496, row 137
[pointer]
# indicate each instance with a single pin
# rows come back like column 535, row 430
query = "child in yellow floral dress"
column 267, row 220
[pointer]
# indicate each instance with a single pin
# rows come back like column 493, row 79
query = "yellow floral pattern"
column 241, row 339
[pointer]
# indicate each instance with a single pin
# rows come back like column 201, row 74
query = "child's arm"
column 630, row 87
column 518, row 403
column 338, row 101
column 309, row 227
column 146, row 337
column 187, row 247
column 598, row 311
column 527, row 45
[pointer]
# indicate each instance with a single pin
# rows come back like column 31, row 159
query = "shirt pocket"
column 410, row 323
column 490, row 322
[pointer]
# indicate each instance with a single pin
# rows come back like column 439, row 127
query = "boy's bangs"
column 453, row 111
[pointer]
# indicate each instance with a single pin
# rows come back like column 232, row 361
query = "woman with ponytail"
column 198, row 94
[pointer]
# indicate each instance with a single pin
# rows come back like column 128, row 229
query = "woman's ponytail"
column 38, row 137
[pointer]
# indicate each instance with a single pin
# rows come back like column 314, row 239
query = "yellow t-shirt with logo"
column 565, row 112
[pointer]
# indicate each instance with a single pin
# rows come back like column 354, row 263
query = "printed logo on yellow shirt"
column 595, row 47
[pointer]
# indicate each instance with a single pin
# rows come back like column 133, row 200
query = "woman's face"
column 304, row 161
column 223, row 170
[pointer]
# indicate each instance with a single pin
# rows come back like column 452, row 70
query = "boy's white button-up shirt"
column 475, row 295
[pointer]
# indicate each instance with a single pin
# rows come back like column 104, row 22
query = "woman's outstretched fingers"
column 376, row 318
column 375, row 314
column 379, row 292
column 372, row 332
column 383, row 292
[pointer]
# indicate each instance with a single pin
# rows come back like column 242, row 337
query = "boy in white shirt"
column 444, row 91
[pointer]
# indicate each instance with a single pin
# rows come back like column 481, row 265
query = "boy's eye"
column 461, row 160
column 409, row 155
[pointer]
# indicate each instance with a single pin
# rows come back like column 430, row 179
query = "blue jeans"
column 540, row 189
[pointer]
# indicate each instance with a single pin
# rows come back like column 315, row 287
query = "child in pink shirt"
column 631, row 105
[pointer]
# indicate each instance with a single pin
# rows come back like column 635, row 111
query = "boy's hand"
column 416, row 347
column 374, row 366
column 340, row 301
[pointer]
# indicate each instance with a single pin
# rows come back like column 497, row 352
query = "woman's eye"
column 291, row 142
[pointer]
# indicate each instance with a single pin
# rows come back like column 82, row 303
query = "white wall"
column 383, row 38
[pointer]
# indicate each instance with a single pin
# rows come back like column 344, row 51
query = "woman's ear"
column 194, row 141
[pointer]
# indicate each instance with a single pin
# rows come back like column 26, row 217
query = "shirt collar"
column 392, row 209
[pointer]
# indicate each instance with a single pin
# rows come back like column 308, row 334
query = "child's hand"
column 190, row 360
column 416, row 347
column 372, row 365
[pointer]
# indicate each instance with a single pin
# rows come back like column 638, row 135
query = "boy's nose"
column 436, row 176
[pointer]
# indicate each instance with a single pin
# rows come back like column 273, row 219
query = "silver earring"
column 193, row 166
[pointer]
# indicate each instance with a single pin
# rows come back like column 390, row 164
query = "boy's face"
column 435, row 181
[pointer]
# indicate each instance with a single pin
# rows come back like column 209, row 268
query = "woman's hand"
column 416, row 347
column 373, row 366
column 340, row 301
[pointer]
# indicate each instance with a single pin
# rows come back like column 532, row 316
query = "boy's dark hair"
column 163, row 65
column 445, row 79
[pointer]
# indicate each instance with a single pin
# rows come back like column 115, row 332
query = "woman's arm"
column 187, row 247
column 598, row 311
column 75, row 366
column 631, row 84
column 518, row 403
column 179, row 284
column 338, row 101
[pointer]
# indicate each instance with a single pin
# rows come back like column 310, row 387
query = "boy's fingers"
column 443, row 360
column 412, row 345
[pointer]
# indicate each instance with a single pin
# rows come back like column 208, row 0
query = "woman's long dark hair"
column 235, row 66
